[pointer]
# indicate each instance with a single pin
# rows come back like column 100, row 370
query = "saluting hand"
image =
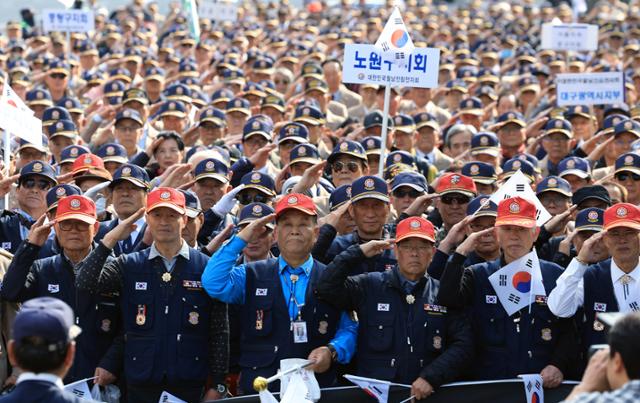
column 587, row 253
column 6, row 183
column 455, row 235
column 39, row 232
column 256, row 228
column 334, row 217
column 420, row 204
column 217, row 240
column 469, row 244
column 310, row 177
column 376, row 247
column 123, row 230
column 558, row 222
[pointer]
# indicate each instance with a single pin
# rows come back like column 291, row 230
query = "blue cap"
column 339, row 196
column 155, row 73
column 485, row 143
column 471, row 106
column 72, row 105
column 260, row 127
column 578, row 110
column 609, row 123
column 263, row 65
column 348, row 147
column 129, row 114
column 627, row 126
column 295, row 132
column 233, row 76
column 480, row 172
column 590, row 219
column 39, row 168
column 212, row 168
column 375, row 118
column 481, row 206
column 554, row 184
column 254, row 211
column 70, row 153
column 53, row 114
column 457, row 85
column 178, row 92
column 425, row 119
column 411, row 179
column 404, row 123
column 213, row 115
column 558, row 126
column 58, row 66
column 47, row 318
column 113, row 152
column 135, row 95
column 23, row 144
column 222, row 95
column 369, row 187
column 372, row 145
column 114, row 88
column 259, row 181
column 304, row 153
column 510, row 167
column 131, row 173
column 173, row 108
column 511, row 117
column 252, row 88
column 38, row 97
column 574, row 166
column 120, row 74
column 192, row 203
column 58, row 192
column 273, row 101
column 400, row 157
column 309, row 114
column 64, row 128
column 239, row 105
column 628, row 162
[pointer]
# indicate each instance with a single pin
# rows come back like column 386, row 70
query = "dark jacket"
column 39, row 392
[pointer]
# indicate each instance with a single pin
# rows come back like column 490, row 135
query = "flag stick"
column 406, row 400
column 261, row 383
column 385, row 118
column 7, row 162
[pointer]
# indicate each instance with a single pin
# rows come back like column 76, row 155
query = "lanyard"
column 292, row 298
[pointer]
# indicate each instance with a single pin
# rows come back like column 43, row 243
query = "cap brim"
column 172, row 206
column 460, row 191
column 483, row 180
column 121, row 160
column 132, row 180
column 249, row 220
column 259, row 188
column 576, row 172
column 218, row 177
column 596, row 228
column 300, row 140
column 555, row 190
column 299, row 208
column 370, row 195
column 517, row 221
column 492, row 151
column 192, row 213
column 628, row 169
column 411, row 185
column 623, row 223
column 308, row 160
column 311, row 121
column 76, row 216
column 415, row 235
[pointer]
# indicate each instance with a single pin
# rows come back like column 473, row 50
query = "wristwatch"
column 332, row 350
column 222, row 389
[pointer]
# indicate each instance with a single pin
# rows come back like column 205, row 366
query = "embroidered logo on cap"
column 552, row 182
column 61, row 192
column 37, row 167
column 255, row 125
column 371, row 143
column 621, row 212
column 74, row 204
column 558, row 124
column 59, row 126
column 344, row 147
column 255, row 177
column 514, row 208
column 302, row 151
column 165, row 195
column 54, row 114
column 369, row 184
column 571, row 164
column 628, row 160
column 292, row 200
column 111, row 150
column 474, row 169
column 397, row 158
column 256, row 210
column 516, row 164
column 628, row 125
column 592, row 216
column 415, row 224
column 73, row 152
column 126, row 171
column 484, row 140
column 455, row 179
column 209, row 165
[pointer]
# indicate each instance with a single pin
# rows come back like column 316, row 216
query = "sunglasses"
column 351, row 166
column 624, row 176
column 246, row 199
column 401, row 193
column 31, row 183
column 458, row 199
column 59, row 76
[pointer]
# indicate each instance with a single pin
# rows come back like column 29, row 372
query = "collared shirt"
column 629, row 293
column 299, row 287
column 24, row 231
column 51, row 378
column 134, row 234
column 629, row 393
column 170, row 263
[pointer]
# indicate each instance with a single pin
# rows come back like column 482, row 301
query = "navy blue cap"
column 559, row 126
column 578, row 110
column 348, row 147
column 50, row 319
column 481, row 206
column 58, row 192
column 399, row 157
column 404, row 123
column 233, row 76
column 510, row 167
column 178, row 92
column 135, row 95
column 213, row 115
column 23, row 144
column 309, row 114
column 121, row 74
column 372, row 145
column 375, row 118
column 131, row 173
column 312, row 69
column 114, row 88
column 622, row 109
column 590, row 219
column 457, row 85
column 64, row 128
column 554, row 184
column 259, row 181
column 597, row 192
column 574, row 166
column 263, row 65
column 485, row 143
column 53, row 114
column 72, row 105
column 129, row 114
column 113, row 152
column 295, row 132
column 511, row 117
column 212, row 168
column 239, row 105
column 40, row 168
column 369, row 187
column 471, row 106
column 627, row 126
column 173, row 108
column 254, row 211
column 252, row 88
column 192, row 203
column 609, row 123
column 304, row 153
column 38, row 97
column 628, row 162
column 58, row 66
column 480, row 172
column 70, row 153
column 222, row 95
column 273, row 101
column 339, row 196
column 155, row 73
column 426, row 119
column 260, row 127
column 411, row 179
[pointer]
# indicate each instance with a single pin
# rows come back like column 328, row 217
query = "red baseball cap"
column 76, row 207
column 296, row 201
column 456, row 183
column 166, row 197
column 516, row 211
column 415, row 227
column 622, row 215
column 86, row 162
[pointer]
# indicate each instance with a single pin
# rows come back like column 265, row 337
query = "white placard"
column 67, row 20
column 20, row 123
column 218, row 10
column 590, row 88
column 574, row 37
column 363, row 65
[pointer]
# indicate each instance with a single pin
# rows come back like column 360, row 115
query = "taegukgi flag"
column 394, row 42
column 519, row 283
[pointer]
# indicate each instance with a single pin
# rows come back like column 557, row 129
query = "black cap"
column 591, row 192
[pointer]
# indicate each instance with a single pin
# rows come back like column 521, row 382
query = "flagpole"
column 385, row 119
column 7, row 163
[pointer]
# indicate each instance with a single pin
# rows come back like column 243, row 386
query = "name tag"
column 262, row 292
column 53, row 288
column 600, row 307
column 435, row 308
column 541, row 299
column 6, row 245
column 383, row 307
column 491, row 299
column 191, row 284
column 141, row 286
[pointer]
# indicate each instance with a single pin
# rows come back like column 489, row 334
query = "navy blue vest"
column 507, row 346
column 166, row 323
column 264, row 344
column 385, row 261
column 387, row 322
column 598, row 297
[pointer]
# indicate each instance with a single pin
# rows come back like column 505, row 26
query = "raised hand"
column 123, row 230
column 469, row 244
column 420, row 204
column 310, row 177
column 587, row 253
column 455, row 235
column 39, row 232
column 222, row 236
column 256, row 228
column 558, row 222
column 373, row 248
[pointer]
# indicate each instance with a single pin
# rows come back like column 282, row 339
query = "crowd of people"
column 202, row 208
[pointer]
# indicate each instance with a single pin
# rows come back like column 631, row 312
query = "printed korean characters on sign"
column 67, row 20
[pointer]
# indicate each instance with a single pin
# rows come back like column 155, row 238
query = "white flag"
column 18, row 119
column 67, row 3
column 518, row 283
column 10, row 97
column 518, row 185
column 533, row 388
column 80, row 389
column 297, row 391
column 167, row 397
column 266, row 397
column 307, row 375
column 374, row 387
column 394, row 42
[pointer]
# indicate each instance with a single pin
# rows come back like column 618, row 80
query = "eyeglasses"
column 401, row 193
column 68, row 225
column 58, row 76
column 458, row 199
column 351, row 166
column 276, row 81
column 478, row 227
column 31, row 183
column 626, row 175
column 126, row 129
column 246, row 199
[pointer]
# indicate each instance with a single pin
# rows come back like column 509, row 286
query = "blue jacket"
column 10, row 234
column 39, row 392
column 598, row 293
column 119, row 249
column 382, row 262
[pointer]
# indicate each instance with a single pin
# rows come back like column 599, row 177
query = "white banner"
column 67, row 20
column 518, row 185
column 19, row 122
column 218, row 10
column 573, row 37
column 590, row 88
column 363, row 64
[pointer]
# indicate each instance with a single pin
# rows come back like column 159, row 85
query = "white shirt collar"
column 617, row 273
column 51, row 378
column 184, row 251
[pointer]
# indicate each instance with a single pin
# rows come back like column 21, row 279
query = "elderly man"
column 431, row 346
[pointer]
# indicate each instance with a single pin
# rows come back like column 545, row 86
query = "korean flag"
column 518, row 185
column 518, row 283
column 394, row 42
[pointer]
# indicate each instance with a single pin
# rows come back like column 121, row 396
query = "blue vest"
column 598, row 297
column 507, row 346
column 264, row 344
column 10, row 236
column 96, row 315
column 166, row 323
column 387, row 323
column 385, row 261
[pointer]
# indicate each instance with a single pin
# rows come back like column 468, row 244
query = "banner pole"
column 385, row 128
column 7, row 162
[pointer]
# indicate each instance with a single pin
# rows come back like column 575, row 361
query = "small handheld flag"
column 394, row 42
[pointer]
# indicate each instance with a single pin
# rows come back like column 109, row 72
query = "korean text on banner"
column 573, row 37
column 67, row 20
column 218, row 10
column 590, row 88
